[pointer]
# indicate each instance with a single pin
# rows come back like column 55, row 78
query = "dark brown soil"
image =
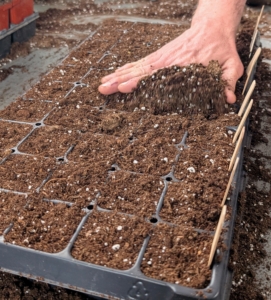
column 10, row 207
column 170, row 256
column 26, row 110
column 166, row 94
column 93, row 148
column 45, row 226
column 75, row 182
column 11, row 134
column 23, row 173
column 131, row 193
column 117, row 239
column 49, row 141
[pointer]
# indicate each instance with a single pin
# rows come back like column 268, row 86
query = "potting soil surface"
column 96, row 160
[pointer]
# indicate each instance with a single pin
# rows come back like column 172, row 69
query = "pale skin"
column 211, row 37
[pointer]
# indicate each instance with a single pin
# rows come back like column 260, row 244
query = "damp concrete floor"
column 40, row 61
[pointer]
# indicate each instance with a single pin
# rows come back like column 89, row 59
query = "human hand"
column 199, row 44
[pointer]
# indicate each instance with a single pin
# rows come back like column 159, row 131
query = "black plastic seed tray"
column 63, row 270
column 17, row 33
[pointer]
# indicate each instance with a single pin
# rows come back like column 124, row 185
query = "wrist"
column 221, row 15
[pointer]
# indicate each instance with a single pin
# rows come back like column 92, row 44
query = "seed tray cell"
column 93, row 148
column 77, row 116
column 47, row 90
column 186, row 203
column 112, row 240
column 10, row 206
column 149, row 154
column 45, row 226
column 120, row 124
column 88, row 92
column 68, row 73
column 171, row 127
column 11, row 134
column 131, row 193
column 169, row 251
column 49, row 141
column 26, row 110
column 74, row 182
column 14, row 172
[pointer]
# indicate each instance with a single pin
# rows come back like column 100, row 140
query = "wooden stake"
column 247, row 98
column 255, row 32
column 217, row 234
column 237, row 147
column 230, row 181
column 254, row 36
column 251, row 66
column 242, row 121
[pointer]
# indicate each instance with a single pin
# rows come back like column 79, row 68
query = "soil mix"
column 137, row 229
column 111, row 240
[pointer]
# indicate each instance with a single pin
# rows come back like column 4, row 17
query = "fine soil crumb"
column 10, row 135
column 93, row 148
column 45, row 226
column 149, row 154
column 10, row 207
column 49, row 141
column 171, row 257
column 26, row 110
column 24, row 173
column 189, row 89
column 111, row 240
column 131, row 193
column 75, row 182
column 189, row 204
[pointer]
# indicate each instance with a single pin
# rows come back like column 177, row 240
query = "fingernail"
column 124, row 83
column 106, row 84
column 109, row 84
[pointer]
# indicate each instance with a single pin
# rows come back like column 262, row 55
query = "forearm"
column 226, row 14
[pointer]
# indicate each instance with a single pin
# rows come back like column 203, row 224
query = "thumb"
column 231, row 75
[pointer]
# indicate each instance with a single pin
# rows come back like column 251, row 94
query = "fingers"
column 108, row 88
column 124, row 81
column 129, row 86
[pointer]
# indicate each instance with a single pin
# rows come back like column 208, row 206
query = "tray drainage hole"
column 112, row 169
column 90, row 207
column 13, row 150
column 60, row 159
column 153, row 220
column 38, row 124
column 168, row 178
column 130, row 138
column 100, row 108
column 78, row 83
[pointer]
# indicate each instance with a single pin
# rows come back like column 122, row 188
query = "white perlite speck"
column 116, row 247
column 156, row 126
column 119, row 228
column 135, row 162
column 191, row 170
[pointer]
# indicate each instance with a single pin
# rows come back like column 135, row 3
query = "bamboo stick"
column 254, row 36
column 255, row 31
column 237, row 147
column 230, row 182
column 247, row 98
column 217, row 234
column 240, row 126
column 251, row 67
